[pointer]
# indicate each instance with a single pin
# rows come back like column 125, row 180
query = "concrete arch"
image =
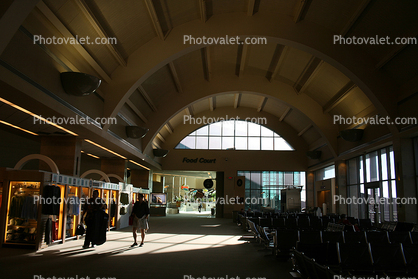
column 106, row 178
column 54, row 168
column 305, row 36
column 281, row 128
column 254, row 85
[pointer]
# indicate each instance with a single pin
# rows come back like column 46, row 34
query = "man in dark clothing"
column 140, row 212
column 91, row 212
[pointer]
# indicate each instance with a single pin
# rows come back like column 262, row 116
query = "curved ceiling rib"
column 307, row 37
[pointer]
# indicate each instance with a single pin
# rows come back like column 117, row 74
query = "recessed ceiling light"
column 91, row 155
column 104, row 148
column 16, row 127
column 37, row 116
column 133, row 162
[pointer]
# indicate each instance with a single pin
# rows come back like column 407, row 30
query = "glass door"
column 373, row 206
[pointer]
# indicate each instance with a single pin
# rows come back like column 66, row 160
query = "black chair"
column 365, row 224
column 292, row 223
column 284, row 241
column 356, row 258
column 310, row 267
column 253, row 219
column 385, row 226
column 324, row 272
column 332, row 237
column 349, row 228
column 353, row 220
column 278, row 223
column 266, row 237
column 316, row 223
column 299, row 265
column 332, row 227
column 388, row 259
column 264, row 222
column 411, row 258
column 355, row 237
column 392, row 226
column 254, row 230
column 400, row 237
column 304, row 223
column 316, row 251
column 325, row 221
column 323, row 253
column 404, row 226
column 414, row 237
column 311, row 237
column 377, row 237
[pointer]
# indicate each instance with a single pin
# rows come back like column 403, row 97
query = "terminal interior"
column 269, row 138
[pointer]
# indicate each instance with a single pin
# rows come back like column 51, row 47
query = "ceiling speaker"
column 160, row 152
column 208, row 183
column 79, row 84
column 352, row 134
column 316, row 154
column 240, row 181
column 135, row 132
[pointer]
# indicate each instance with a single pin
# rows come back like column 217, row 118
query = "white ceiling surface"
column 130, row 21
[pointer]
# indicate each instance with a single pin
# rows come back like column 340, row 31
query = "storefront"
column 40, row 208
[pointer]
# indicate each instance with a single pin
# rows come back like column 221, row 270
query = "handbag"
column 80, row 229
column 131, row 220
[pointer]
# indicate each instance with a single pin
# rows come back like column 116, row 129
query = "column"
column 405, row 178
column 64, row 151
column 220, row 193
column 114, row 166
column 140, row 178
column 341, row 185
column 310, row 189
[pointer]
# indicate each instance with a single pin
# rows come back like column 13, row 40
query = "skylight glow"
column 235, row 135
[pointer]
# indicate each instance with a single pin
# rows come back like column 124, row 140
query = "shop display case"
column 21, row 208
column 22, row 212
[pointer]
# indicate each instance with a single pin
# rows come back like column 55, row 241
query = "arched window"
column 234, row 135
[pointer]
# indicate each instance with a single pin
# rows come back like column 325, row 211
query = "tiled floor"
column 182, row 246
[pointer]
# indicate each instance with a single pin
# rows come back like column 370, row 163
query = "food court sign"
column 199, row 160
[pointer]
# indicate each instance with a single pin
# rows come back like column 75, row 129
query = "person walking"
column 140, row 212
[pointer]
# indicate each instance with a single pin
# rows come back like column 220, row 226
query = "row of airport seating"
column 325, row 260
column 305, row 246
column 305, row 223
column 324, row 254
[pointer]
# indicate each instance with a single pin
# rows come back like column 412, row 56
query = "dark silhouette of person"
column 91, row 208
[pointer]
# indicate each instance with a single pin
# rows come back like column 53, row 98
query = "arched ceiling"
column 152, row 78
